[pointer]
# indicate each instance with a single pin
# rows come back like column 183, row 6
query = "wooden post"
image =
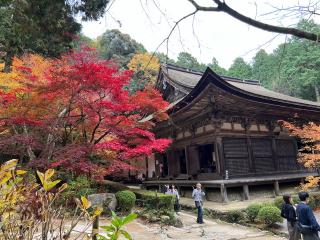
column 246, row 192
column 224, row 194
column 276, row 188
column 274, row 154
column 206, row 192
column 95, row 228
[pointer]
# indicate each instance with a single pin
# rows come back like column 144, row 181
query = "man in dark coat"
column 307, row 222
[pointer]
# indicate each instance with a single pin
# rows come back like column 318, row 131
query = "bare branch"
column 204, row 9
column 169, row 35
column 223, row 7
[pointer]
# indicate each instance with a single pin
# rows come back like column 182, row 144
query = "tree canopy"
column 45, row 27
column 145, row 68
column 119, row 47
column 75, row 114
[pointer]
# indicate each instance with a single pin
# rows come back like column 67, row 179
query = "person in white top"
column 172, row 190
column 197, row 195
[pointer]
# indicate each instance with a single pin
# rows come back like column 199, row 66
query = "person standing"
column 173, row 191
column 288, row 212
column 307, row 223
column 197, row 195
column 177, row 201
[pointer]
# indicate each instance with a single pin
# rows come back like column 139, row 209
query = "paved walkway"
column 213, row 230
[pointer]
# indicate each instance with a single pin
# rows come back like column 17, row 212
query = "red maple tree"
column 76, row 115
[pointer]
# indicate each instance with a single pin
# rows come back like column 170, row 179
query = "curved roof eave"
column 210, row 77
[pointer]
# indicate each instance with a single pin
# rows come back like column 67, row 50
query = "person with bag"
column 307, row 223
column 197, row 195
column 288, row 212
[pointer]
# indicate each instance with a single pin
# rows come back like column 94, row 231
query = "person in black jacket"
column 288, row 212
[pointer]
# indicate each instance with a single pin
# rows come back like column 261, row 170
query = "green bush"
column 253, row 211
column 235, row 216
column 153, row 200
column 80, row 186
column 269, row 215
column 278, row 202
column 126, row 200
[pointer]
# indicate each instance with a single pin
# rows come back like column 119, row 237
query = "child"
column 288, row 212
column 197, row 195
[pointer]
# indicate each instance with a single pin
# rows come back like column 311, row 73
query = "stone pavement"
column 213, row 230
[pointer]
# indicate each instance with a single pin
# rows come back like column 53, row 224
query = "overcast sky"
column 209, row 35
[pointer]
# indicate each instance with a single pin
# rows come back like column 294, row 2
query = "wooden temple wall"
column 239, row 150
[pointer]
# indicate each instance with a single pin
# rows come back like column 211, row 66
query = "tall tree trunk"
column 30, row 152
column 8, row 61
column 316, row 89
column 50, row 139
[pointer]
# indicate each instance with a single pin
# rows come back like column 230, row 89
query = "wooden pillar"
column 205, row 196
column 250, row 156
column 187, row 158
column 222, row 164
column 274, row 154
column 224, row 195
column 276, row 188
column 246, row 192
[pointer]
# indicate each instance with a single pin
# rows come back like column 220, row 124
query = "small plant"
column 235, row 216
column 28, row 210
column 80, row 186
column 278, row 202
column 126, row 200
column 115, row 229
column 253, row 211
column 270, row 215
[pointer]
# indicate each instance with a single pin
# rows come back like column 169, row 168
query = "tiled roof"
column 187, row 79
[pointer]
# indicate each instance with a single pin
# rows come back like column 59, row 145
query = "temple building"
column 226, row 135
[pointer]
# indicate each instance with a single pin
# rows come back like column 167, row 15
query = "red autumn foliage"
column 78, row 116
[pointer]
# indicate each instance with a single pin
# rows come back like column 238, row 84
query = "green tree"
column 163, row 58
column 45, row 27
column 263, row 68
column 297, row 64
column 118, row 46
column 214, row 65
column 186, row 60
column 240, row 69
column 81, row 39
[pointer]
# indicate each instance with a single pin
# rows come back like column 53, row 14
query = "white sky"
column 215, row 34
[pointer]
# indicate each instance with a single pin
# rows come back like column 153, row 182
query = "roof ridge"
column 196, row 72
column 183, row 69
